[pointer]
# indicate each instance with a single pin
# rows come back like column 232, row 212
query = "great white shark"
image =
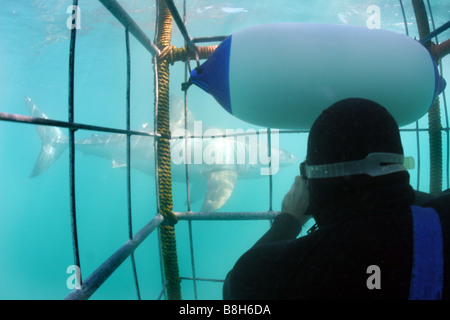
column 213, row 163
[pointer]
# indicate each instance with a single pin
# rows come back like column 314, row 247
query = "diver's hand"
column 296, row 201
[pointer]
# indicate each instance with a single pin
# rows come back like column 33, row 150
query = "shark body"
column 219, row 176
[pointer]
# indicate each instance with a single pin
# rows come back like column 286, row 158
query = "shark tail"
column 54, row 142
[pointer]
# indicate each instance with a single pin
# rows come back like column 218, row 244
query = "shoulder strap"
column 428, row 261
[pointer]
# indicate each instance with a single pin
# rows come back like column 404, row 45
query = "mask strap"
column 375, row 164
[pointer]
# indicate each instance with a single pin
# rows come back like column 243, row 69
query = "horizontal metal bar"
column 209, row 39
column 202, row 279
column 252, row 133
column 228, row 135
column 422, row 130
column 124, row 18
column 263, row 215
column 99, row 276
column 71, row 125
column 11, row 117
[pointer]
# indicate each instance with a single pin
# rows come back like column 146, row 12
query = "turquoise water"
column 35, row 235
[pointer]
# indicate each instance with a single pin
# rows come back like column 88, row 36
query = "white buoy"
column 284, row 75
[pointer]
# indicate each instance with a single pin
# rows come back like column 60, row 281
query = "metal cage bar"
column 269, row 155
column 416, row 130
column 180, row 23
column 128, row 161
column 97, row 278
column 11, row 117
column 255, row 215
column 435, row 34
column 127, row 249
column 124, row 18
column 71, row 107
column 186, row 141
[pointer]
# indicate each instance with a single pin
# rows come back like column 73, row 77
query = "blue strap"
column 428, row 261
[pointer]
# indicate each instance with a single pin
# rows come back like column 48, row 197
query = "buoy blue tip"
column 213, row 75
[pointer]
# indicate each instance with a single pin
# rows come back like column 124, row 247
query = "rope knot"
column 172, row 54
column 170, row 219
column 166, row 54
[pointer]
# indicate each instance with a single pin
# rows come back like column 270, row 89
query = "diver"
column 373, row 238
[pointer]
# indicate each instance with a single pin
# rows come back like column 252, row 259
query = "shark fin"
column 219, row 187
column 54, row 142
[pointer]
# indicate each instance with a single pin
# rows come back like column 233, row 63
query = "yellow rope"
column 169, row 54
column 167, row 230
column 173, row 54
column 434, row 114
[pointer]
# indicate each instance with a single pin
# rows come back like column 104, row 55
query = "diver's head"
column 354, row 156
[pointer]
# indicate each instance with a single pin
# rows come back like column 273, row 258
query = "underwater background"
column 35, row 227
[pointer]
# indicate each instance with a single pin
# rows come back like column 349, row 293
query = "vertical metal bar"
column 434, row 114
column 418, row 156
column 269, row 154
column 187, row 154
column 127, row 45
column 188, row 190
column 73, row 215
column 417, row 123
column 130, row 222
column 432, row 20
column 448, row 142
column 447, row 134
column 404, row 17
column 191, row 247
column 444, row 98
column 186, row 143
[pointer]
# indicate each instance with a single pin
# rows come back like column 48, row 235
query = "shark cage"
column 430, row 133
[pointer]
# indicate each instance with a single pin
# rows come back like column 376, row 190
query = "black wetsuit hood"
column 350, row 130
